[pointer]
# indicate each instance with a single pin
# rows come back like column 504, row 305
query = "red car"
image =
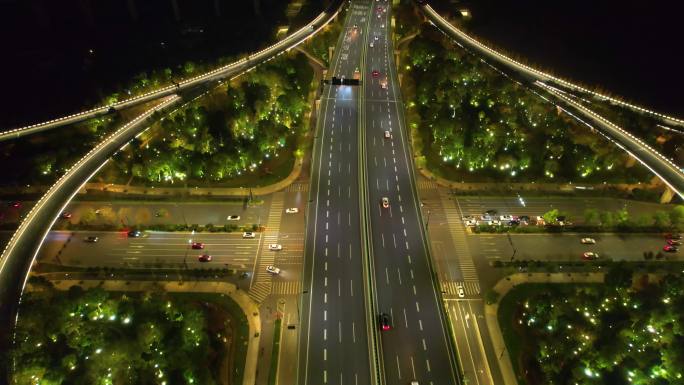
column 15, row 204
column 670, row 248
column 66, row 215
column 197, row 245
column 375, row 73
column 674, row 242
column 384, row 320
column 204, row 258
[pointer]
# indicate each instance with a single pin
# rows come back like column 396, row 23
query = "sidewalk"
column 239, row 296
column 551, row 187
column 503, row 287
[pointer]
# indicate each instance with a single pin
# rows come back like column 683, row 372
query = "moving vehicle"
column 670, row 248
column 590, row 255
column 471, row 223
column 204, row 258
column 460, row 291
column 388, row 134
column 375, row 73
column 65, row 215
column 673, row 236
column 248, row 234
column 15, row 204
column 197, row 245
column 273, row 270
column 275, row 247
column 233, row 218
column 383, row 84
column 588, row 241
column 506, row 218
column 292, row 210
column 372, row 45
column 91, row 239
column 384, row 321
column 134, row 234
column 385, row 202
column 674, row 242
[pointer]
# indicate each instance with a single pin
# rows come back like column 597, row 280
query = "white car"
column 460, row 291
column 273, row 269
column 588, row 241
column 292, row 210
column 506, row 218
column 275, row 247
column 471, row 223
column 495, row 223
column 233, row 218
column 388, row 134
column 248, row 234
column 376, row 38
column 372, row 45
column 383, row 84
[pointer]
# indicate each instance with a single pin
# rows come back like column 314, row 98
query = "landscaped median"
column 589, row 328
column 109, row 332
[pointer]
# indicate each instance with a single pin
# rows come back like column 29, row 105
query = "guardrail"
column 534, row 73
column 265, row 54
column 22, row 249
column 659, row 164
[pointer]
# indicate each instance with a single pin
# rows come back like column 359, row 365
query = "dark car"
column 66, row 215
column 491, row 212
column 197, row 245
column 670, row 248
column 384, row 321
column 15, row 204
column 204, row 258
column 91, row 239
column 673, row 236
column 134, row 234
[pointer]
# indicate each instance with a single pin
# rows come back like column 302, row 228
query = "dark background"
column 48, row 70
column 630, row 48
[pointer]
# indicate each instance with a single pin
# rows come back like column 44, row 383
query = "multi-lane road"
column 417, row 347
column 333, row 346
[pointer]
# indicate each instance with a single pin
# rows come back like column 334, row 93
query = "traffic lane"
column 117, row 249
column 566, row 247
column 533, row 206
column 134, row 213
column 467, row 326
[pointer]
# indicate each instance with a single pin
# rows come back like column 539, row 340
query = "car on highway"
column 275, row 247
column 673, row 236
column 375, row 73
column 415, row 382
column 383, row 84
column 248, row 234
column 670, row 248
column 385, row 202
column 66, row 215
column 588, row 241
column 388, row 134
column 372, row 44
column 490, row 212
column 590, row 255
column 233, row 218
column 377, row 38
column 506, row 218
column 384, row 321
column 471, row 222
column 273, row 270
column 134, row 234
column 197, row 245
column 15, row 204
column 460, row 291
column 91, row 239
column 674, row 242
column 98, row 212
column 204, row 258
column 382, row 25
column 292, row 210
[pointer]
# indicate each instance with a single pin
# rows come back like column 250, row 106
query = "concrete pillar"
column 176, row 9
column 217, row 8
column 667, row 195
column 132, row 10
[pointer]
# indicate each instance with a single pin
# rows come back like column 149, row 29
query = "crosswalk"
column 298, row 187
column 426, row 185
column 458, row 236
column 287, row 287
column 262, row 283
column 450, row 288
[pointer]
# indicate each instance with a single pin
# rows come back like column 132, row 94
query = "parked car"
column 248, row 234
column 460, row 291
column 233, row 218
column 471, row 223
column 275, row 247
column 674, row 242
column 588, row 241
column 506, row 218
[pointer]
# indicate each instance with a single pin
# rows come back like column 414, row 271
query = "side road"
column 502, row 288
column 248, row 306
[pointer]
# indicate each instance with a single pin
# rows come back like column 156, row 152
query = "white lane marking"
column 325, row 334
column 424, row 345
column 387, row 276
column 399, row 275
column 339, row 331
column 427, row 362
column 405, row 319
column 420, row 325
column 339, row 287
column 325, row 315
column 398, row 368
column 353, row 332
column 407, row 247
column 325, row 281
column 325, row 298
column 351, row 287
column 325, row 354
column 413, row 368
column 414, row 289
column 417, row 307
column 382, row 235
column 411, row 271
column 394, row 239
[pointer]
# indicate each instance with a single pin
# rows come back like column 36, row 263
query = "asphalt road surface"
column 333, row 345
column 417, row 347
